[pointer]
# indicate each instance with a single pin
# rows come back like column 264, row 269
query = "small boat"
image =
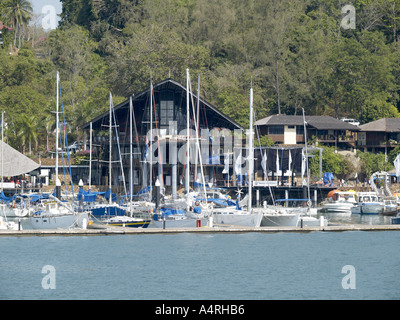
column 58, row 215
column 396, row 219
column 340, row 202
column 236, row 217
column 390, row 206
column 305, row 218
column 126, row 221
column 178, row 218
column 368, row 203
column 5, row 224
column 285, row 212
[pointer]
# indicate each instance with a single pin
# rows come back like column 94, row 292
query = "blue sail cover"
column 87, row 196
column 170, row 211
column 4, row 198
column 37, row 197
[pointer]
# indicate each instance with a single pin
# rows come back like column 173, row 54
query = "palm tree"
column 50, row 124
column 28, row 131
column 17, row 13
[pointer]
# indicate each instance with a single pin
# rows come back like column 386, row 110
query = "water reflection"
column 351, row 218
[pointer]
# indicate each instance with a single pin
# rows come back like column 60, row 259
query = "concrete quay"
column 107, row 230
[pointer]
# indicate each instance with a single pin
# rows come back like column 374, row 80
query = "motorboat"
column 390, row 206
column 340, row 202
column 368, row 203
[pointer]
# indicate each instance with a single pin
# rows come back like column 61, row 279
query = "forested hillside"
column 296, row 53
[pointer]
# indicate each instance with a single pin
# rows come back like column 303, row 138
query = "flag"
column 277, row 162
column 264, row 162
column 226, row 164
column 146, row 151
column 238, row 164
column 397, row 165
column 303, row 163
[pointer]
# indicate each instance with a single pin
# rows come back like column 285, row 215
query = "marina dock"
column 216, row 229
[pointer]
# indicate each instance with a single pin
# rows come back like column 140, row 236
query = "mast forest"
column 298, row 54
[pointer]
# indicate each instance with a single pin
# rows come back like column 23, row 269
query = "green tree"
column 18, row 13
column 28, row 131
column 331, row 162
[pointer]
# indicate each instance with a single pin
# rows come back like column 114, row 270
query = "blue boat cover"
column 4, row 198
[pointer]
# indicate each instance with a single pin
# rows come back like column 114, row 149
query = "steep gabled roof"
column 170, row 85
column 382, row 125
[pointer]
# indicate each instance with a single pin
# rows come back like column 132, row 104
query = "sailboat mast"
column 305, row 142
column 57, row 125
column 110, row 153
column 187, row 133
column 2, row 150
column 251, row 151
column 90, row 156
column 151, row 136
column 130, row 155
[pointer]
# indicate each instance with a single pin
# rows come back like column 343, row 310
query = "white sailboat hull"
column 60, row 221
column 178, row 223
column 237, row 218
column 274, row 220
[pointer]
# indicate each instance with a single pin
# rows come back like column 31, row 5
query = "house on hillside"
column 380, row 135
column 289, row 130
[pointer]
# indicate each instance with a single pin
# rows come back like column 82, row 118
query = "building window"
column 300, row 130
column 166, row 112
column 275, row 130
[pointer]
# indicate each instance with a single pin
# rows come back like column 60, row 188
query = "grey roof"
column 14, row 163
column 282, row 119
column 382, row 125
column 317, row 122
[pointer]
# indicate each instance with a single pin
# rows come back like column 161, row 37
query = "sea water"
column 244, row 266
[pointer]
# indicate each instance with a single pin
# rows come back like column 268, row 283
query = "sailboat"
column 186, row 212
column 111, row 213
column 55, row 214
column 281, row 214
column 234, row 215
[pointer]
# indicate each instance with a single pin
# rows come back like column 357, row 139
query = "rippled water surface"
column 202, row 266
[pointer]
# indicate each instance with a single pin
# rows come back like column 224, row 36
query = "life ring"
column 309, row 203
column 197, row 203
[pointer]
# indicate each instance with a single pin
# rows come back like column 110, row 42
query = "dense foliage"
column 295, row 52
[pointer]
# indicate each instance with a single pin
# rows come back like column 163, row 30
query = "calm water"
column 203, row 266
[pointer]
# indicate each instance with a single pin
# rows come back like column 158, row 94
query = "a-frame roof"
column 167, row 84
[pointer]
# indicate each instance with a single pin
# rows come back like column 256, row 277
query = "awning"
column 14, row 163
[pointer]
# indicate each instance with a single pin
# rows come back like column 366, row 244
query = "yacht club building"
column 158, row 127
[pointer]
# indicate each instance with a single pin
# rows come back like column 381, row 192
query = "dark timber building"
column 165, row 112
